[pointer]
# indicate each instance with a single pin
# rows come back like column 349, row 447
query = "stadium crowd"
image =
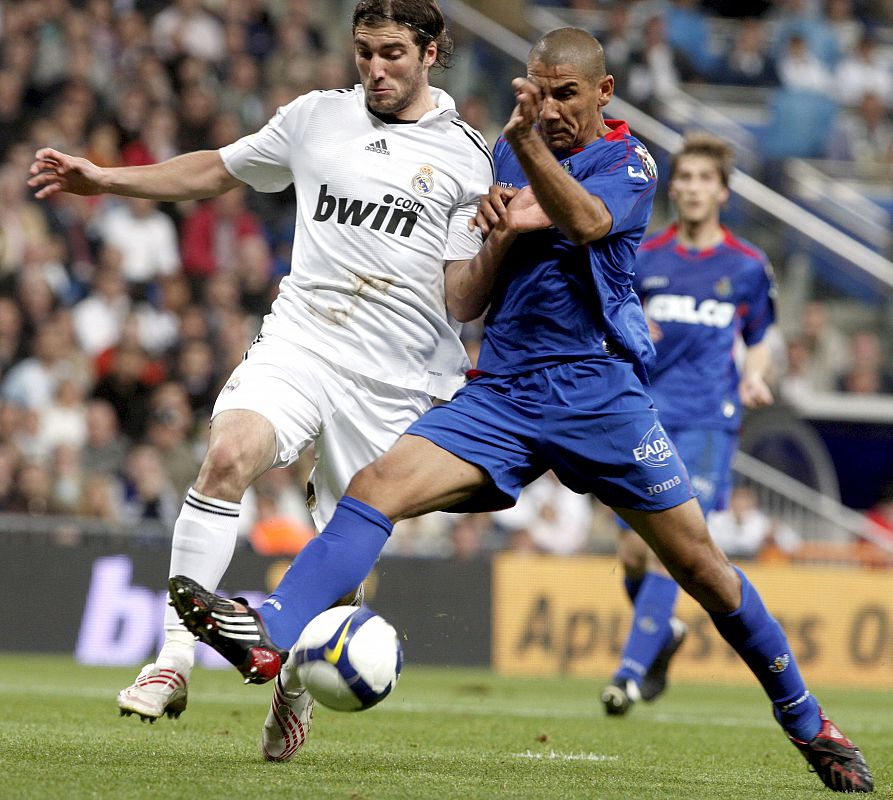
column 120, row 319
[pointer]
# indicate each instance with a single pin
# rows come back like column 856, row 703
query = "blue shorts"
column 708, row 456
column 589, row 421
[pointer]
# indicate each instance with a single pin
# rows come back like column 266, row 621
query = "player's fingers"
column 47, row 191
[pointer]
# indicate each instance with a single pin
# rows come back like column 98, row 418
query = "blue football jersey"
column 702, row 300
column 555, row 301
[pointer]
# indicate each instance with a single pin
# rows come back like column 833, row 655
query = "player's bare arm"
column 192, row 176
column 753, row 389
column 468, row 283
column 581, row 216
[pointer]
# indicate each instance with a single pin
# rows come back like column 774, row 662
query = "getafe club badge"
column 568, row 167
column 423, row 180
column 723, row 287
column 647, row 161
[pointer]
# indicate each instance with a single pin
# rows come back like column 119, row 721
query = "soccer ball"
column 348, row 658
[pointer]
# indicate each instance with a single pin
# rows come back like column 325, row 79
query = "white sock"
column 204, row 539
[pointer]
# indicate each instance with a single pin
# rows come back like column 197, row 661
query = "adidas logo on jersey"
column 381, row 146
column 393, row 215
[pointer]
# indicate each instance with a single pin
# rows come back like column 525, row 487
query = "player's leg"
column 679, row 537
column 467, row 450
column 241, row 447
column 267, row 413
column 654, row 635
column 415, row 476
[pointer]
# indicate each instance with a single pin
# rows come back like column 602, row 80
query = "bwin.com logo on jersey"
column 779, row 663
column 397, row 215
column 654, row 448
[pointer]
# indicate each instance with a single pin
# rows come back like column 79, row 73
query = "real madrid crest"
column 423, row 181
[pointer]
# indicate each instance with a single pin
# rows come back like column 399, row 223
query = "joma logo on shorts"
column 653, row 449
column 388, row 215
column 664, row 486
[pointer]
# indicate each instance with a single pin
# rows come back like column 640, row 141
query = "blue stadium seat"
column 799, row 124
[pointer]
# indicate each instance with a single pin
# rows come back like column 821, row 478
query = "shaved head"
column 573, row 47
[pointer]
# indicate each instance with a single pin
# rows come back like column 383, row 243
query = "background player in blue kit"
column 702, row 288
column 562, row 365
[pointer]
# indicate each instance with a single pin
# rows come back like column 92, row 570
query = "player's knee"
column 226, row 468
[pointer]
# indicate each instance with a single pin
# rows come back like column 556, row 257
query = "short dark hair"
column 701, row 143
column 423, row 17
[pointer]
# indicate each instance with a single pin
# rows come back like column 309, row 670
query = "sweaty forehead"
column 549, row 75
column 389, row 34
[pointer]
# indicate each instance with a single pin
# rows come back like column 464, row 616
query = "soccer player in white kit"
column 361, row 335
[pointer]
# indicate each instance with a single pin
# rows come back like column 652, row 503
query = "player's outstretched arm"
column 188, row 177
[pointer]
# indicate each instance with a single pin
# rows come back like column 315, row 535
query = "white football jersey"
column 380, row 207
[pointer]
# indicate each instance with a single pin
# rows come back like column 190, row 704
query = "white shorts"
column 349, row 418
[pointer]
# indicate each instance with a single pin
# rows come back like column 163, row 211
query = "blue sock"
column 632, row 586
column 328, row 567
column 650, row 630
column 758, row 638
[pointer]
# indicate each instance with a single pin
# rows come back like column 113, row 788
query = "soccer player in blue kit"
column 701, row 288
column 559, row 386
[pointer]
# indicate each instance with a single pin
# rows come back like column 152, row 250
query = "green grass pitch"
column 444, row 733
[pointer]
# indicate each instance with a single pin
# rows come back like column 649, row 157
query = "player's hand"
column 525, row 214
column 528, row 105
column 491, row 209
column 654, row 330
column 54, row 171
column 754, row 392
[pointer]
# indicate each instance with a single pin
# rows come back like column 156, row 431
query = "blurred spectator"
column 744, row 531
column 657, row 69
column 865, row 135
column 12, row 341
column 100, row 498
column 688, row 32
column 184, row 28
column 32, row 492
column 12, row 114
column 99, row 317
column 148, row 492
column 198, row 108
column 67, row 479
column 241, row 93
column 254, row 270
column 800, row 68
column 827, row 346
column 195, row 372
column 471, row 536
column 158, row 319
column 9, row 461
column 748, row 63
column 211, row 233
column 803, row 20
column 848, row 29
column 475, row 110
column 866, row 372
column 125, row 388
column 105, row 446
column 864, row 71
column 556, row 518
column 22, row 223
column 168, row 430
column 32, row 382
column 619, row 42
column 145, row 237
column 158, row 141
column 795, row 384
column 64, row 420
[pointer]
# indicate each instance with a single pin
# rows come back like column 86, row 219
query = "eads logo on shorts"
column 654, row 448
column 389, row 215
